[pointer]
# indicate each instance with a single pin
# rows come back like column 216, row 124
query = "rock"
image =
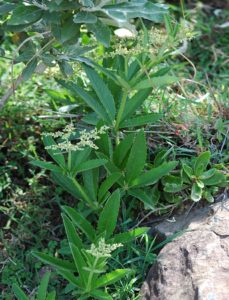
column 194, row 266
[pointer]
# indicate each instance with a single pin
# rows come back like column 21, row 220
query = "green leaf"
column 29, row 69
column 100, row 295
column 84, row 17
column 156, row 82
column 58, row 157
column 46, row 165
column 196, row 192
column 188, row 170
column 108, row 216
column 80, row 222
column 107, row 184
column 67, row 184
column 90, row 101
column 79, row 262
column 19, row 292
column 172, row 184
column 201, row 163
column 141, row 120
column 149, row 199
column 122, row 150
column 5, row 8
column 59, row 264
column 42, row 290
column 102, row 92
column 208, row 174
column 23, row 15
column 69, row 276
column 154, row 174
column 127, row 237
column 77, row 157
column 101, row 31
column 72, row 235
column 217, row 178
column 112, row 277
column 134, row 103
column 137, row 157
column 51, row 296
column 91, row 164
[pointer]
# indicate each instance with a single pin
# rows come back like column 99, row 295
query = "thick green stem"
column 90, row 277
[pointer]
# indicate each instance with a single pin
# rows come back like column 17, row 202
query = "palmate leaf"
column 108, row 216
column 80, row 222
column 102, row 91
column 111, row 277
column 141, row 120
column 129, row 236
column 59, row 264
column 155, row 174
column 137, row 157
column 19, row 292
column 42, row 290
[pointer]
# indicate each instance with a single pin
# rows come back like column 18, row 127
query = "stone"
column 195, row 265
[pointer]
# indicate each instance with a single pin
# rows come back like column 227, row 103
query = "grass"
column 29, row 201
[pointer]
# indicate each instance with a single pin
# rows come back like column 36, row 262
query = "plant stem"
column 83, row 194
column 90, row 277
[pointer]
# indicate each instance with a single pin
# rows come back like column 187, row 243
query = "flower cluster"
column 86, row 138
column 103, row 249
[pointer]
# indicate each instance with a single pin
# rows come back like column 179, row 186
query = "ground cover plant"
column 104, row 131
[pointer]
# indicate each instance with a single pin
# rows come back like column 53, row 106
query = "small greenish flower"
column 102, row 249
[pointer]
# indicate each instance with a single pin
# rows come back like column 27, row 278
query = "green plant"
column 194, row 174
column 42, row 292
column 90, row 263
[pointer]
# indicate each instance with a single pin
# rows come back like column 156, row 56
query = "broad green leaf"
column 208, row 196
column 111, row 277
column 188, row 170
column 217, row 178
column 155, row 174
column 122, row 12
column 107, row 184
column 55, row 154
column 100, row 295
column 67, row 184
column 19, row 292
column 141, row 120
column 108, row 216
column 42, row 290
column 77, row 157
column 137, row 157
column 51, row 296
column 129, row 236
column 101, row 31
column 59, row 264
column 72, row 235
column 201, row 163
column 91, row 164
column 105, row 144
column 46, row 165
column 172, row 184
column 156, row 82
column 79, row 262
column 88, row 99
column 69, row 276
column 150, row 199
column 91, row 183
column 84, row 17
column 102, row 91
column 7, row 7
column 122, row 150
column 208, row 174
column 80, row 222
column 134, row 103
column 29, row 69
column 23, row 15
column 196, row 192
